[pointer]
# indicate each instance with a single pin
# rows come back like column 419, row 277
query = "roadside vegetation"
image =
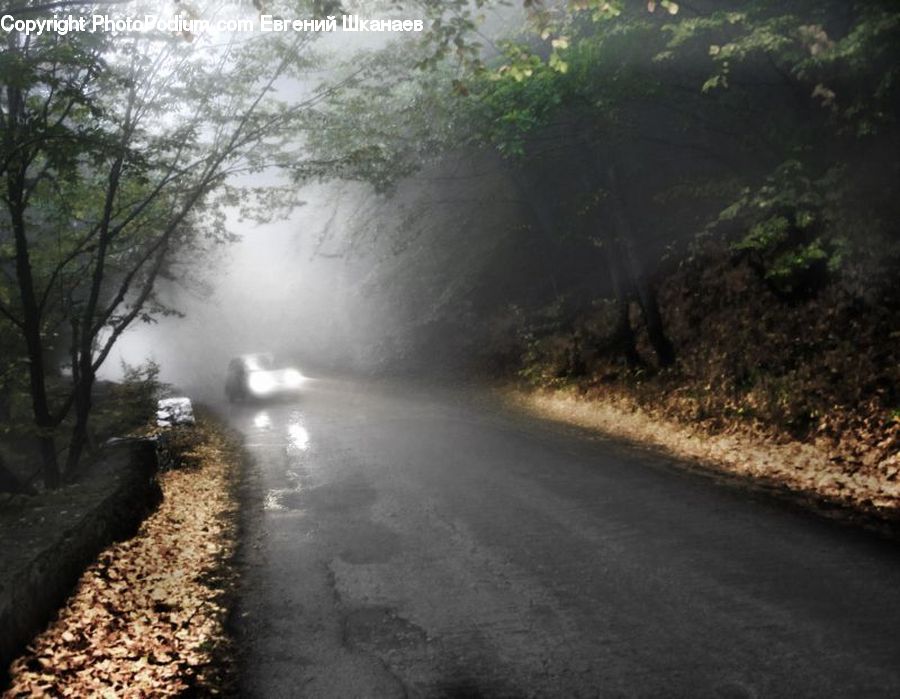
column 118, row 409
column 778, row 316
column 800, row 392
column 120, row 154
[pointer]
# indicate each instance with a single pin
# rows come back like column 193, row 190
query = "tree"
column 499, row 107
column 120, row 153
column 652, row 112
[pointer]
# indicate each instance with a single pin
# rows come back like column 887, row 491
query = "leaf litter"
column 823, row 469
column 148, row 618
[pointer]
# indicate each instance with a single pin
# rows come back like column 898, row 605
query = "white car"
column 255, row 376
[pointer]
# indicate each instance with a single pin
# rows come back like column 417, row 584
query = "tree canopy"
column 631, row 129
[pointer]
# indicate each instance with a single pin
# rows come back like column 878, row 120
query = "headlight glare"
column 261, row 383
column 293, row 378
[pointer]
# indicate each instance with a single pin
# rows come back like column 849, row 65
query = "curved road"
column 413, row 542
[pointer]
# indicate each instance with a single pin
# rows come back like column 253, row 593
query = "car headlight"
column 261, row 383
column 293, row 378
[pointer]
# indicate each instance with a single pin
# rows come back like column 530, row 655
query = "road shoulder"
column 801, row 472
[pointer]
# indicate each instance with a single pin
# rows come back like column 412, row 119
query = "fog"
column 273, row 290
column 312, row 288
column 436, row 274
column 350, row 281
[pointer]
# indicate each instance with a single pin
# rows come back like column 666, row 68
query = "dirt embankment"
column 799, row 392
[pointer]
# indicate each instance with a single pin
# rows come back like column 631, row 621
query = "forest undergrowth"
column 799, row 390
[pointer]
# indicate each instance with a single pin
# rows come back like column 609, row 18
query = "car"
column 255, row 377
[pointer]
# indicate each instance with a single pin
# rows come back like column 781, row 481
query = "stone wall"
column 46, row 542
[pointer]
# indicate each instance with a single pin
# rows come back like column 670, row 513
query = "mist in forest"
column 576, row 230
column 357, row 282
column 270, row 291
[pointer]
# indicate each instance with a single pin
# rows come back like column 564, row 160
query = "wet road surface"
column 414, row 542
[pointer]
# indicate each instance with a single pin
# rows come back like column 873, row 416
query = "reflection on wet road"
column 281, row 441
column 407, row 542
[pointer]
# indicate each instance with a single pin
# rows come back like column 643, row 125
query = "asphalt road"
column 414, row 542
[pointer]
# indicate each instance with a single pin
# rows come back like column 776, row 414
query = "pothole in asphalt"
column 422, row 662
column 352, row 495
column 369, row 543
column 380, row 629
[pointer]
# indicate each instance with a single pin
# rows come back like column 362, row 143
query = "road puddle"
column 298, row 437
column 262, row 421
column 285, row 433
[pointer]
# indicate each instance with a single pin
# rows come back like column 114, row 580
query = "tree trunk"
column 31, row 329
column 623, row 335
column 83, row 376
column 16, row 173
column 662, row 346
column 79, row 436
column 5, row 402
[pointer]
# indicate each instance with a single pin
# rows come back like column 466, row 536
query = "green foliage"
column 120, row 154
column 131, row 403
column 786, row 259
column 852, row 76
column 550, row 354
column 747, row 117
column 511, row 109
column 802, row 228
column 790, row 234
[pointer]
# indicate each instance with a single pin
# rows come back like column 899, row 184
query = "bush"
column 122, row 407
